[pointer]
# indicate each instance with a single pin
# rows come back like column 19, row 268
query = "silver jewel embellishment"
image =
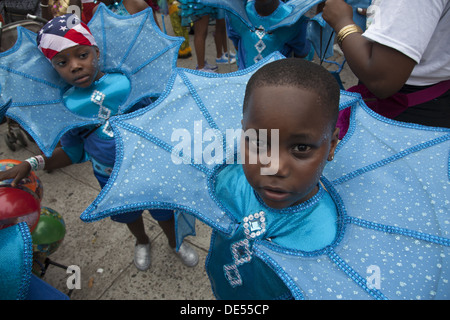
column 260, row 45
column 241, row 254
column 98, row 97
column 232, row 275
column 255, row 225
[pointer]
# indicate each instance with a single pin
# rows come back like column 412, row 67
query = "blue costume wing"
column 36, row 91
column 131, row 45
column 136, row 47
column 162, row 147
column 391, row 183
column 237, row 7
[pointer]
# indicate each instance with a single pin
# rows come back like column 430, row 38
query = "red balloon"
column 17, row 205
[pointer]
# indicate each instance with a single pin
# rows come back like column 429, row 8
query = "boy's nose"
column 75, row 66
column 279, row 166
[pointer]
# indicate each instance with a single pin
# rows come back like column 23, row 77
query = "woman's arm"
column 382, row 69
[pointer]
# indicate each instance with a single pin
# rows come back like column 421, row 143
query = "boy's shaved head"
column 295, row 72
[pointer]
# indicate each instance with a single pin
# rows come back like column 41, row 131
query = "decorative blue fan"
column 160, row 148
column 389, row 181
column 131, row 45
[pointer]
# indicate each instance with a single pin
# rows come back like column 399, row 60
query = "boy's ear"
column 334, row 143
column 98, row 51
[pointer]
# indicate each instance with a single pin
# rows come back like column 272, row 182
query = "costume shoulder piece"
column 132, row 45
column 390, row 181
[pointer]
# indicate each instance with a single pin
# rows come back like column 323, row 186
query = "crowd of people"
column 402, row 63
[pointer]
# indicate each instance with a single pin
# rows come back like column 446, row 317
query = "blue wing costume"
column 132, row 45
column 389, row 182
column 255, row 36
column 237, row 8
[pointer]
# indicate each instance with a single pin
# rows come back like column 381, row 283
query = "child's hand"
column 17, row 173
column 338, row 14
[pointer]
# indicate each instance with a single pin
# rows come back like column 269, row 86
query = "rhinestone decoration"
column 255, row 225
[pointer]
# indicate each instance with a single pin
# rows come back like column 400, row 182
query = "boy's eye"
column 301, row 148
column 60, row 63
column 84, row 55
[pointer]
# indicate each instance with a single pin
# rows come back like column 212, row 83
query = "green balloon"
column 50, row 228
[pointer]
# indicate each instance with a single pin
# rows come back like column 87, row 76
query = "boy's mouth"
column 274, row 194
column 82, row 79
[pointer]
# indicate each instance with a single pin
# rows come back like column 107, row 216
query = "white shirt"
column 420, row 29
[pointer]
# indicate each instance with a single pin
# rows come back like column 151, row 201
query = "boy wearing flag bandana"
column 71, row 49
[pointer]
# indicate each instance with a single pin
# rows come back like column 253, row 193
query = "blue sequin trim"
column 401, row 231
column 357, row 278
column 448, row 173
column 392, row 158
column 28, row 260
column 198, row 101
column 30, row 77
column 48, row 151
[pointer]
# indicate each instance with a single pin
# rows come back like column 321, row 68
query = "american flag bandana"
column 63, row 32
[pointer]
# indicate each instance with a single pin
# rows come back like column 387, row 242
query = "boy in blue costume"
column 253, row 46
column 70, row 47
column 297, row 102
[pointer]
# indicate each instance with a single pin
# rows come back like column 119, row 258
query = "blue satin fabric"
column 192, row 10
column 16, row 256
column 114, row 86
column 118, row 9
column 231, row 266
column 254, row 45
column 108, row 92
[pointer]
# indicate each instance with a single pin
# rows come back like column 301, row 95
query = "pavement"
column 103, row 250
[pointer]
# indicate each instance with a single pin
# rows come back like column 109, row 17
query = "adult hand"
column 17, row 173
column 338, row 14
